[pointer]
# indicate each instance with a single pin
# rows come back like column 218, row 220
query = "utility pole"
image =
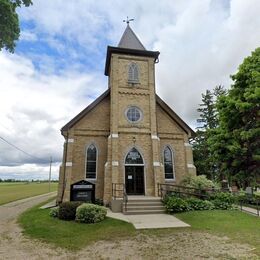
column 50, row 175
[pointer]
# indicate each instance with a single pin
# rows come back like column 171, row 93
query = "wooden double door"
column 134, row 180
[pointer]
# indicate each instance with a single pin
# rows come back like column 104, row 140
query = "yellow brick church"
column 128, row 139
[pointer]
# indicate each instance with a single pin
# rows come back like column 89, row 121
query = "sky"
column 58, row 65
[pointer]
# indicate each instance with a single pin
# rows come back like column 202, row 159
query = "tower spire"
column 129, row 40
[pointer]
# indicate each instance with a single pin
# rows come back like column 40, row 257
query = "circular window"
column 133, row 114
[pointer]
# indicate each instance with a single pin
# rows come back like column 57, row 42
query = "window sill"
column 133, row 82
column 170, row 180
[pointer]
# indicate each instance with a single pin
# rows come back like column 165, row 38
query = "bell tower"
column 131, row 72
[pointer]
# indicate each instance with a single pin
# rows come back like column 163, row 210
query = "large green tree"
column 208, row 121
column 9, row 23
column 236, row 142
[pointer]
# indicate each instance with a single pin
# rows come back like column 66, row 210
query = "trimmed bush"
column 220, row 200
column 67, row 210
column 90, row 213
column 174, row 205
column 223, row 200
column 197, row 204
column 54, row 212
column 199, row 182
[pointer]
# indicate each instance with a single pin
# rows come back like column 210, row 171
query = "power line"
column 21, row 150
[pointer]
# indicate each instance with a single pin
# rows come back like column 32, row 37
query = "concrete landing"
column 149, row 221
column 50, row 204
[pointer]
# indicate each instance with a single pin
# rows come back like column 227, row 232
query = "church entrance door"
column 134, row 180
column 134, row 173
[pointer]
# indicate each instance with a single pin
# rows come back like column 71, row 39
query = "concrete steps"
column 143, row 205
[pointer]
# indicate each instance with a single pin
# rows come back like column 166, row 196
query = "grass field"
column 238, row 226
column 68, row 234
column 11, row 191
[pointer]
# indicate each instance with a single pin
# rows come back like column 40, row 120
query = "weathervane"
column 128, row 20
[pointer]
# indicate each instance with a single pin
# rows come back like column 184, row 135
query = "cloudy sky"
column 58, row 66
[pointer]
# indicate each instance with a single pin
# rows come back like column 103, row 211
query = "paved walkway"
column 251, row 211
column 149, row 220
column 13, row 209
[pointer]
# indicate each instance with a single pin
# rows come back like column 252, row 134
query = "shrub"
column 197, row 204
column 174, row 204
column 67, row 210
column 90, row 213
column 99, row 202
column 199, row 182
column 223, row 200
column 54, row 212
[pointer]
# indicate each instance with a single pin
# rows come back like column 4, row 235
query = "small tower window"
column 91, row 162
column 133, row 114
column 168, row 163
column 133, row 73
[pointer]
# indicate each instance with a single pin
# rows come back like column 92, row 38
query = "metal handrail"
column 164, row 188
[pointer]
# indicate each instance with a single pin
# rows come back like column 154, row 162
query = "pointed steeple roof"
column 129, row 40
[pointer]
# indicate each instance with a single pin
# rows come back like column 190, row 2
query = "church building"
column 128, row 139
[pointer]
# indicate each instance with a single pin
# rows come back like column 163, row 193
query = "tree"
column 9, row 23
column 203, row 159
column 236, row 143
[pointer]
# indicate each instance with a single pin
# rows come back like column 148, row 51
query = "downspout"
column 64, row 166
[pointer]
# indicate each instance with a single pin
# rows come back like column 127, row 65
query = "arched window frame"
column 132, row 164
column 133, row 73
column 172, row 161
column 86, row 162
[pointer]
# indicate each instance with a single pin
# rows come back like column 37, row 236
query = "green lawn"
column 237, row 225
column 68, row 234
column 11, row 191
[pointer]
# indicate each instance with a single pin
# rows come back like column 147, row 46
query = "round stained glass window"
column 133, row 114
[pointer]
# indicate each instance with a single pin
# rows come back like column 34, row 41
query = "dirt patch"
column 180, row 245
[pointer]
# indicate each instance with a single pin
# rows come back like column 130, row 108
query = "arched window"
column 133, row 73
column 134, row 157
column 168, row 163
column 91, row 162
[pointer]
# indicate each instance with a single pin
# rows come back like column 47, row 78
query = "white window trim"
column 173, row 163
column 86, row 160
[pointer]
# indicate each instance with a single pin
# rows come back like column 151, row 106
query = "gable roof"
column 85, row 111
column 174, row 116
column 129, row 40
column 159, row 101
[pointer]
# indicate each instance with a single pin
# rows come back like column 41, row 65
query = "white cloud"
column 29, row 171
column 35, row 106
column 28, row 36
column 201, row 44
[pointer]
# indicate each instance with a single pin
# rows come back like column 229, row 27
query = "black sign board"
column 83, row 191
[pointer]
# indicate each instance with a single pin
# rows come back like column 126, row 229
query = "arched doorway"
column 134, row 173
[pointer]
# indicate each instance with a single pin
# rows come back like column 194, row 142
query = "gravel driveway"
column 181, row 245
